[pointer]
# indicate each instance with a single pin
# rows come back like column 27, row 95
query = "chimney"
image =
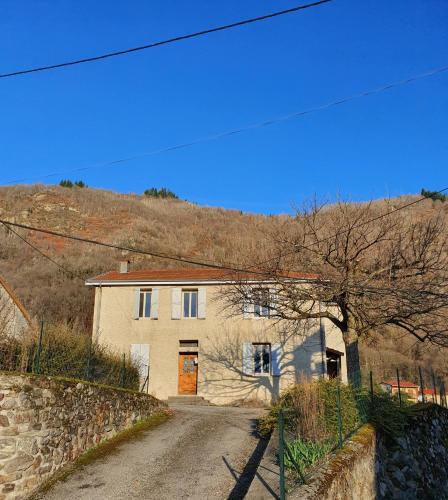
column 124, row 266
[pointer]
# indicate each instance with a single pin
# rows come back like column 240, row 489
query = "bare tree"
column 374, row 267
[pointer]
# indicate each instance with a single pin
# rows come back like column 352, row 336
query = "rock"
column 399, row 477
column 22, row 461
column 383, row 488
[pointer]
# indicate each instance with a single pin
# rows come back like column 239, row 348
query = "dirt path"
column 202, row 452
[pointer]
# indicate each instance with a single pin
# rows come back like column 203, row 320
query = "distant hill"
column 162, row 225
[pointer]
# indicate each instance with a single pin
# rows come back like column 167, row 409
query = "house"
column 14, row 318
column 410, row 389
column 432, row 397
column 173, row 322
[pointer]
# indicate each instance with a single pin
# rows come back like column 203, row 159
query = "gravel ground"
column 202, row 452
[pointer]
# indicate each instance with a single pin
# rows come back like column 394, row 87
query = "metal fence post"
column 39, row 349
column 338, row 398
column 422, row 385
column 281, row 452
column 399, row 388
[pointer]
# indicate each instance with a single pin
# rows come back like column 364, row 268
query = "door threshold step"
column 188, row 400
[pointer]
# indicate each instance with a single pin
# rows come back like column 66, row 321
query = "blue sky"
column 383, row 145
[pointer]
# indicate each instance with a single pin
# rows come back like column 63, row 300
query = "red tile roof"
column 190, row 275
column 405, row 384
column 428, row 391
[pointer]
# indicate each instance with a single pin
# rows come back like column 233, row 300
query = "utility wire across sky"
column 180, row 38
column 222, row 135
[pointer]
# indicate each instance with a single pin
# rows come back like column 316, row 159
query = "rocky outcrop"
column 48, row 422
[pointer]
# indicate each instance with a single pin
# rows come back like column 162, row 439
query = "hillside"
column 164, row 226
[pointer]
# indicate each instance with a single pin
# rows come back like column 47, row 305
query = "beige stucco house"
column 14, row 319
column 173, row 323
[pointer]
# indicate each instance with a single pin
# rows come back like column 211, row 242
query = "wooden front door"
column 188, row 373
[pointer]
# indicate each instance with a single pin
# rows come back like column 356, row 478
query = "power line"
column 265, row 123
column 70, row 273
column 164, row 42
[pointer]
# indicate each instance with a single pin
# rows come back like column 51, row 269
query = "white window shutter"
column 176, row 303
column 248, row 358
column 202, row 303
column 136, row 303
column 248, row 308
column 140, row 358
column 154, row 303
column 276, row 355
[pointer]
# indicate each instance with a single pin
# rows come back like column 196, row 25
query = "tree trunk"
column 352, row 352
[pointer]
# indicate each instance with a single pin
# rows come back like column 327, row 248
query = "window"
column 145, row 304
column 262, row 302
column 190, row 303
column 262, row 358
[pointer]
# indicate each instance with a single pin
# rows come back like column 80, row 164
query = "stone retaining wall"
column 411, row 467
column 347, row 475
column 48, row 422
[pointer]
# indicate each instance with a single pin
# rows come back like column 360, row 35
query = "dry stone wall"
column 47, row 422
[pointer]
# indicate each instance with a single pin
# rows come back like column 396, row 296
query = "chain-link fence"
column 58, row 351
column 316, row 417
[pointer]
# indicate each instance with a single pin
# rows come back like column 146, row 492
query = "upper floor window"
column 145, row 304
column 190, row 303
column 262, row 302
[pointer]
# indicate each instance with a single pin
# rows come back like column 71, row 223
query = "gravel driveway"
column 201, row 452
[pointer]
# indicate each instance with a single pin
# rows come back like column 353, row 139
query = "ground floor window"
column 262, row 358
column 333, row 363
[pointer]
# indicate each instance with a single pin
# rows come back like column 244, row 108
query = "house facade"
column 409, row 389
column 14, row 318
column 174, row 324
